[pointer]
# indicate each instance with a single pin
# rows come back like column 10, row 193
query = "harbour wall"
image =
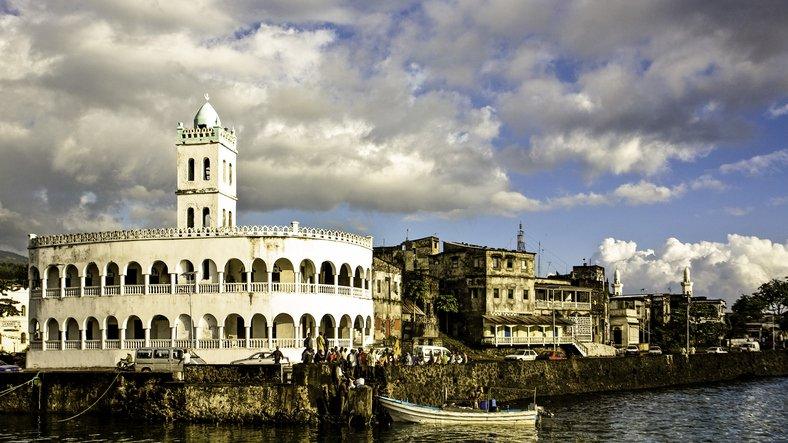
column 255, row 393
column 517, row 380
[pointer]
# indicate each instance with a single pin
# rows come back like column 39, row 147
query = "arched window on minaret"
column 224, row 217
column 206, row 169
column 230, row 175
column 206, row 218
column 230, row 218
column 206, row 269
column 224, row 171
column 191, row 169
column 190, row 218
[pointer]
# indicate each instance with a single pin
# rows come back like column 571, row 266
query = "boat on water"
column 403, row 411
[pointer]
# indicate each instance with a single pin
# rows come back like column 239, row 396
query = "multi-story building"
column 387, row 298
column 14, row 336
column 630, row 319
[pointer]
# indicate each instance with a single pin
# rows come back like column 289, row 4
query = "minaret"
column 686, row 285
column 207, row 173
column 520, row 239
column 617, row 286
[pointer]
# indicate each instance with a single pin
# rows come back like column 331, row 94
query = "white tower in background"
column 617, row 286
column 686, row 285
column 521, row 239
column 207, row 174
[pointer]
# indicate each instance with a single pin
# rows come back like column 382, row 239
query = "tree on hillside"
column 12, row 275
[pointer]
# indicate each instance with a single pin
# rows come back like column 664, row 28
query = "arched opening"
column 234, row 327
column 206, row 217
column 208, row 272
column 617, row 336
column 234, row 271
column 190, row 217
column 159, row 273
column 327, row 273
column 259, row 271
column 345, row 323
column 368, row 326
column 230, row 222
column 34, row 329
column 283, row 327
column 72, row 330
column 209, row 329
column 185, row 272
column 53, row 277
column 72, row 276
column 358, row 331
column 92, row 276
column 111, row 328
column 344, row 275
column 112, row 276
column 230, row 174
column 183, row 327
column 224, row 171
column 283, row 272
column 206, row 169
column 358, row 277
column 134, row 329
column 367, row 278
column 190, row 172
column 133, row 274
column 327, row 326
column 53, row 329
column 308, row 325
column 308, row 274
column 34, row 277
column 160, row 328
column 92, row 329
column 259, row 326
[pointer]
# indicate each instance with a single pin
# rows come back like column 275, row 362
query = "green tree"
column 12, row 275
column 415, row 287
column 747, row 309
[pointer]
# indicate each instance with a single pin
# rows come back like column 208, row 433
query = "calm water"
column 746, row 411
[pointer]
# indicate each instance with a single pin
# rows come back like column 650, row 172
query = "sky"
column 640, row 135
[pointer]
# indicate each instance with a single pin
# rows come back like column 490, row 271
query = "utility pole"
column 539, row 260
column 689, row 299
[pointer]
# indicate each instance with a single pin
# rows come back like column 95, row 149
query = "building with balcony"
column 630, row 319
column 13, row 328
column 209, row 285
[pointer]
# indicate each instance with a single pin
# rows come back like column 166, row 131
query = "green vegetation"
column 11, row 275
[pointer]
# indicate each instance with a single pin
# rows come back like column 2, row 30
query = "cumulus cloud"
column 738, row 211
column 759, row 164
column 719, row 269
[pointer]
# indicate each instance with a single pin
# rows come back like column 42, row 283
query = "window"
column 510, row 294
column 230, row 174
column 472, row 291
column 495, row 293
column 476, row 262
column 161, row 353
column 190, row 218
column 206, row 169
column 191, row 170
column 523, row 264
column 224, row 217
column 224, row 170
column 23, row 310
column 229, row 218
column 144, row 353
column 455, row 262
column 509, row 263
column 378, row 282
column 206, row 218
column 525, row 294
column 496, row 262
column 206, row 269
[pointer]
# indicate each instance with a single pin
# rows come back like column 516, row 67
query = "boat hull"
column 408, row 412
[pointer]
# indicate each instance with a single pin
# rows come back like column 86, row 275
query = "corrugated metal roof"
column 528, row 320
column 409, row 307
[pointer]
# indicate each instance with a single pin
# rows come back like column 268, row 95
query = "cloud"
column 719, row 269
column 777, row 111
column 759, row 164
column 737, row 211
column 778, row 201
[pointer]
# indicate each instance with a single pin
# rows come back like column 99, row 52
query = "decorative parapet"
column 293, row 231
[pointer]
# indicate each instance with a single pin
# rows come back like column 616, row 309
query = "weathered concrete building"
column 13, row 328
column 387, row 299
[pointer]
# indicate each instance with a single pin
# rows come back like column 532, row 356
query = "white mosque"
column 221, row 289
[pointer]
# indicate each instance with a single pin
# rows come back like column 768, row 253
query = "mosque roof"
column 207, row 116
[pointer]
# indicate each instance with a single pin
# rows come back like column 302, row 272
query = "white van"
column 425, row 350
column 162, row 360
column 750, row 346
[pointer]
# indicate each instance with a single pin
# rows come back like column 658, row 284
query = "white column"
column 248, row 280
column 103, row 339
column 102, row 283
column 196, row 284
column 248, row 335
column 122, row 337
column 336, row 335
column 297, row 282
column 173, row 278
column 270, row 281
column 122, row 283
column 62, row 339
column 496, row 335
column 173, row 332
column 62, row 287
column 221, row 281
column 81, row 285
column 352, row 336
column 147, row 337
column 146, row 282
column 82, row 336
column 270, row 336
column 43, row 292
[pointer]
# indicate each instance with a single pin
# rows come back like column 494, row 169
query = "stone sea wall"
column 508, row 381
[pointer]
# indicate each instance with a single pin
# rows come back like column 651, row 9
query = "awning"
column 527, row 320
column 408, row 307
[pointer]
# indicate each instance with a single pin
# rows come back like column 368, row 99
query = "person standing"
column 277, row 355
column 321, row 343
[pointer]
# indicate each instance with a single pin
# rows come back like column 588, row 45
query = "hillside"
column 12, row 257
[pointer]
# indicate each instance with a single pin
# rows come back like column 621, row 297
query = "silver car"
column 260, row 358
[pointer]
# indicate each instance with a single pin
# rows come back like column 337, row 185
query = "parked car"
column 654, row 350
column 163, row 360
column 750, row 346
column 523, row 355
column 5, row 367
column 551, row 355
column 632, row 351
column 716, row 350
column 260, row 358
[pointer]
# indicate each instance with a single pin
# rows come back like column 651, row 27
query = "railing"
column 208, row 343
column 228, row 343
column 71, row 292
column 341, row 342
column 92, row 344
column 209, row 287
column 343, row 290
column 36, row 293
column 91, row 290
column 73, row 344
column 36, row 345
column 259, row 287
column 134, row 343
column 173, row 233
column 358, row 292
column 283, row 287
column 235, row 287
column 52, row 344
column 555, row 304
column 325, row 289
column 134, row 289
column 258, row 342
column 53, row 292
column 111, row 344
column 566, row 339
column 184, row 343
column 184, row 288
column 159, row 288
column 112, row 290
column 307, row 288
column 285, row 342
column 160, row 343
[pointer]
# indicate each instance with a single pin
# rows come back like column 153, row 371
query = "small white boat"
column 412, row 413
